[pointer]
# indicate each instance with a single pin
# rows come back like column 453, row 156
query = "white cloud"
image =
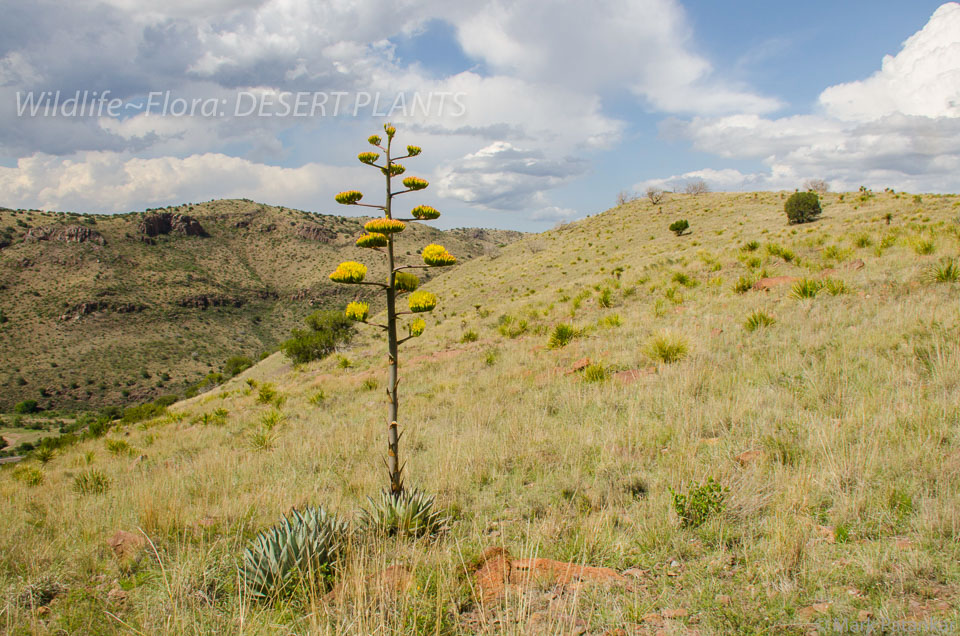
column 922, row 79
column 504, row 177
column 108, row 181
column 900, row 128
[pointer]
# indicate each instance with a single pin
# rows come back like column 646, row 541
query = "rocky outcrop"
column 170, row 223
column 65, row 234
column 203, row 301
column 316, row 233
column 80, row 310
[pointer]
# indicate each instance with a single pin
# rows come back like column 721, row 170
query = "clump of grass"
column 272, row 419
column 562, row 335
column 261, row 440
column 702, row 501
column 751, row 246
column 605, row 299
column 491, row 358
column 835, row 286
column 469, row 336
column 613, row 320
column 511, row 327
column 118, row 447
column 946, row 271
column 667, row 348
column 595, row 373
column 30, row 475
column 267, row 393
column 91, row 482
column 863, row 240
column 744, row 284
column 370, row 384
column 924, row 247
column 684, row 279
column 806, row 288
column 318, row 398
column 758, row 320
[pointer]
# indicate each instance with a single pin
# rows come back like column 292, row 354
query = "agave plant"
column 409, row 514
column 305, row 544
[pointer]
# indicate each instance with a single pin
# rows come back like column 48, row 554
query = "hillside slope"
column 105, row 310
column 833, row 427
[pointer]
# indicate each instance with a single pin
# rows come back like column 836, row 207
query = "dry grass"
column 853, row 498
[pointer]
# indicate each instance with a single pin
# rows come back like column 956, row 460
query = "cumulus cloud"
column 898, row 128
column 110, row 181
column 504, row 177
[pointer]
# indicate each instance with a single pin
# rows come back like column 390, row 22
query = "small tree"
column 655, row 195
column 816, row 185
column 679, row 227
column 802, row 207
column 380, row 237
column 695, row 187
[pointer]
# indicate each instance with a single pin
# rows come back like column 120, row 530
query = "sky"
column 529, row 112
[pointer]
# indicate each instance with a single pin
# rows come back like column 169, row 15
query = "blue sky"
column 563, row 106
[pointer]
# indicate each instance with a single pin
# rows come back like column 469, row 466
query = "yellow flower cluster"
column 422, row 301
column 368, row 157
column 416, row 327
column 413, row 151
column 390, row 130
column 415, row 183
column 395, row 170
column 384, row 226
column 404, row 281
column 374, row 140
column 358, row 311
column 372, row 240
column 438, row 256
column 425, row 213
column 349, row 197
column 349, row 272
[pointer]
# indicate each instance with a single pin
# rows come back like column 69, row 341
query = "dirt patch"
column 765, row 284
column 633, row 375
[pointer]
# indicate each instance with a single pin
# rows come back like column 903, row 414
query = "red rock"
column 856, row 264
column 579, row 365
column 126, row 545
column 748, row 457
column 674, row 613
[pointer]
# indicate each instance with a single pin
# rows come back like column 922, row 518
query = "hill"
column 116, row 309
column 831, row 423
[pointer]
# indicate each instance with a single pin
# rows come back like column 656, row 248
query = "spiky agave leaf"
column 409, row 514
column 304, row 543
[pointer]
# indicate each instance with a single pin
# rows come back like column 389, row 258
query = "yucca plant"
column 381, row 235
column 409, row 515
column 806, row 288
column 562, row 335
column 91, row 482
column 835, row 286
column 946, row 271
column 304, row 546
column 667, row 348
column 758, row 320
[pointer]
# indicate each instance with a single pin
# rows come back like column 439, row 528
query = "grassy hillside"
column 121, row 317
column 833, row 427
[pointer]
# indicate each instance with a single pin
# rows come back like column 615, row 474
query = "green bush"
column 27, row 406
column 679, row 227
column 327, row 330
column 702, row 501
column 91, row 482
column 562, row 335
column 802, row 207
column 236, row 364
column 667, row 348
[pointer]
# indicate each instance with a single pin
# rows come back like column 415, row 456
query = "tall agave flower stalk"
column 381, row 234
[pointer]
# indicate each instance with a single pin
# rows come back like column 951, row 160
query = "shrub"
column 146, row 411
column 469, row 336
column 679, row 227
column 511, row 327
column 802, row 207
column 30, row 475
column 924, row 247
column 758, row 320
column 327, row 330
column 25, row 407
column 835, row 286
column 655, row 195
column 91, row 482
column 946, row 271
column 605, row 300
column 806, row 288
column 318, row 398
column 666, row 348
column 304, row 547
column 595, row 373
column 752, row 246
column 562, row 335
column 699, row 503
column 118, row 447
column 266, row 393
column 261, row 440
column 236, row 365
